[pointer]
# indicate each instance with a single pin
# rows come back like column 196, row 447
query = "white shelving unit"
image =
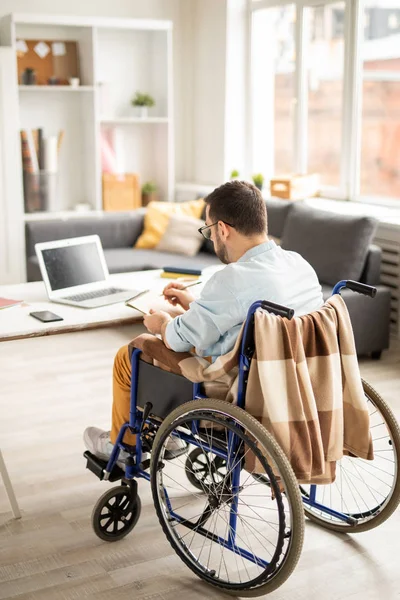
column 55, row 88
column 133, row 120
column 117, row 57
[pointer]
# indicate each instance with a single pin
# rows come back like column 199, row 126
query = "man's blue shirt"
column 265, row 272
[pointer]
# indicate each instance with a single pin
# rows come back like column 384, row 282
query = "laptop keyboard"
column 91, row 295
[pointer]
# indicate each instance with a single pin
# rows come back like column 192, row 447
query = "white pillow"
column 181, row 236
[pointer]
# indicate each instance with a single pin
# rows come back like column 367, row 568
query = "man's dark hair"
column 240, row 204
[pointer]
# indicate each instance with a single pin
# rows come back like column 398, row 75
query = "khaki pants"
column 121, row 395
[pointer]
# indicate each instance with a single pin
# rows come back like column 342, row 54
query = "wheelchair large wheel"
column 366, row 491
column 116, row 513
column 237, row 533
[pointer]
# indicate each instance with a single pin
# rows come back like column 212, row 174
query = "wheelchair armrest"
column 154, row 349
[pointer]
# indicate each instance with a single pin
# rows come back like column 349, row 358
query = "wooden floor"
column 50, row 390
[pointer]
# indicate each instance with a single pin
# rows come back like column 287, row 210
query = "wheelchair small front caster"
column 203, row 471
column 116, row 513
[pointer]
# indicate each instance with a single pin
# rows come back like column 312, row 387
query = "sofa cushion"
column 122, row 260
column 335, row 245
column 277, row 213
column 157, row 218
column 182, row 236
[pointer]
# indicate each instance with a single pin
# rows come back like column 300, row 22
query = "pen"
column 191, row 284
column 187, row 286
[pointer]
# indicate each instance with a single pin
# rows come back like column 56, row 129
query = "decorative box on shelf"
column 295, row 187
column 121, row 192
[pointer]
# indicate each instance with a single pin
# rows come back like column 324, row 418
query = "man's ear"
column 223, row 230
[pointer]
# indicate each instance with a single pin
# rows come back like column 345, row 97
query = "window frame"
column 353, row 77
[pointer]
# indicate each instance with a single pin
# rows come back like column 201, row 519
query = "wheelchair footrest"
column 98, row 467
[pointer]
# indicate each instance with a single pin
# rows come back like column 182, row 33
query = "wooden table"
column 15, row 322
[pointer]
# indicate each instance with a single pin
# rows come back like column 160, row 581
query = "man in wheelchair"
column 236, row 223
column 296, row 431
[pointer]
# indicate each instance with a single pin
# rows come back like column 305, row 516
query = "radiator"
column 388, row 238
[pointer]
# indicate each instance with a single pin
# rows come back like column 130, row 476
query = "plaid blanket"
column 304, row 385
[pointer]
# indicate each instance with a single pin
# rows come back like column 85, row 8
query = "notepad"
column 7, row 302
column 148, row 299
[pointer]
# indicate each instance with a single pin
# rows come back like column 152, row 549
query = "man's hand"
column 155, row 320
column 175, row 293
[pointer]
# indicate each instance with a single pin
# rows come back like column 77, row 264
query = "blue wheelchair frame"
column 135, row 425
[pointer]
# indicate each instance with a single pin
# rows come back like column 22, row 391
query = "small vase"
column 147, row 198
column 143, row 112
column 28, row 77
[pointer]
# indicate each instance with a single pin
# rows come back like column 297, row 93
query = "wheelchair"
column 228, row 500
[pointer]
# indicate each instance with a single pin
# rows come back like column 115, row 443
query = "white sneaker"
column 174, row 447
column 97, row 441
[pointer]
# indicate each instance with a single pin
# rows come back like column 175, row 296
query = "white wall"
column 209, row 62
column 177, row 11
column 237, row 83
column 220, row 89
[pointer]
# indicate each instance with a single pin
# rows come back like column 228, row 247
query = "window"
column 281, row 143
column 324, row 61
column 380, row 149
column 273, row 62
column 326, row 93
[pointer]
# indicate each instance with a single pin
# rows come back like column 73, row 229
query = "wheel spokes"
column 229, row 533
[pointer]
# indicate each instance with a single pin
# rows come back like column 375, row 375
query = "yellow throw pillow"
column 157, row 218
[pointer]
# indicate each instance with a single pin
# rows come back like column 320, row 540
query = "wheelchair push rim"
column 237, row 534
column 365, row 493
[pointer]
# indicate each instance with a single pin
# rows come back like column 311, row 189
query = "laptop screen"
column 73, row 265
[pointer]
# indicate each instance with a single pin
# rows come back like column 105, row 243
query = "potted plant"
column 258, row 180
column 235, row 174
column 143, row 102
column 149, row 193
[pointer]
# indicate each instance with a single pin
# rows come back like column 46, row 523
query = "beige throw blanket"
column 304, row 386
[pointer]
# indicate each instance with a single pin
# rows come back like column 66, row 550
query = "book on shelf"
column 40, row 148
column 27, row 164
column 32, row 150
column 8, row 303
column 33, row 147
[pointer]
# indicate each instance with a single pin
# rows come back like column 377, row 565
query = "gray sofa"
column 337, row 246
column 118, row 233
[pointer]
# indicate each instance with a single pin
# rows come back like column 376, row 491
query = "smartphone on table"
column 46, row 316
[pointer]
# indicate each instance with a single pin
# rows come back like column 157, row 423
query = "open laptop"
column 75, row 272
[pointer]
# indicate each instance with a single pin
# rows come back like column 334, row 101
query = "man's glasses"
column 206, row 229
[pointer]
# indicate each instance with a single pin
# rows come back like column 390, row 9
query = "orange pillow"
column 157, row 218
